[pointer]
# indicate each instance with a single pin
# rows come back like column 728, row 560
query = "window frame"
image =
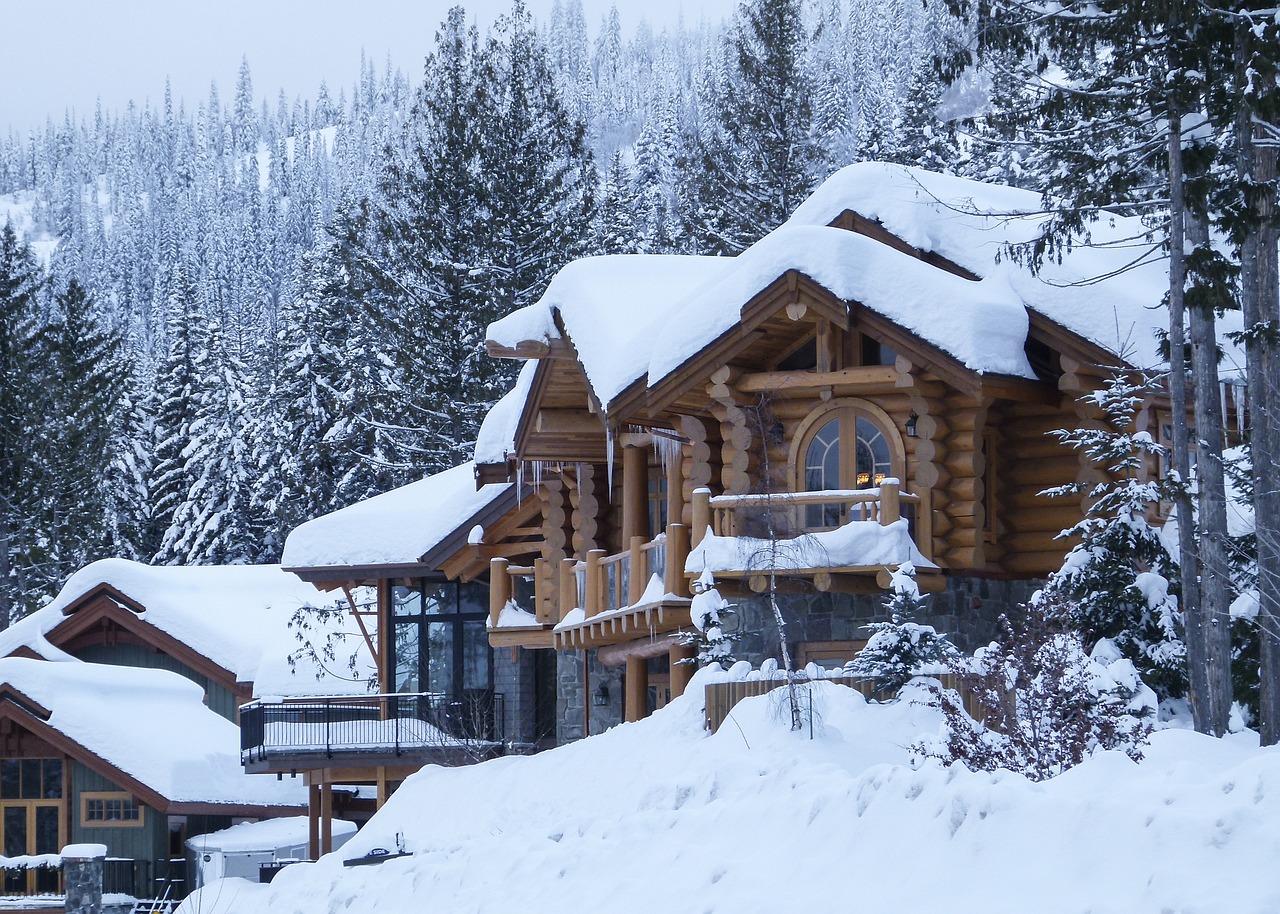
column 108, row 796
column 848, row 411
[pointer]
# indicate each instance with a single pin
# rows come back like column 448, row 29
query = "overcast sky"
column 60, row 54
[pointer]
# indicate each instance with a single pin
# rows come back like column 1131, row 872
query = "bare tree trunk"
column 1188, row 553
column 1215, row 569
column 1259, row 291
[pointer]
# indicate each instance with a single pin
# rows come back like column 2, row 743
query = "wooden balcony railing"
column 791, row 514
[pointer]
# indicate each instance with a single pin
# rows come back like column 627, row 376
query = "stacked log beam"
column 697, row 469
column 552, row 495
column 736, row 431
column 963, row 465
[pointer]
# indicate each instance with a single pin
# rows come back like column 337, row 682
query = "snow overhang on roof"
column 497, row 438
column 418, row 525
column 147, row 726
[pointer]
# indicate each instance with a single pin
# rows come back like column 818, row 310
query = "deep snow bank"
column 657, row 816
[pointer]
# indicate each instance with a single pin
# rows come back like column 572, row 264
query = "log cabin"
column 871, row 384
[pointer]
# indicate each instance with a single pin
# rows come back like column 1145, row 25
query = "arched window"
column 849, row 445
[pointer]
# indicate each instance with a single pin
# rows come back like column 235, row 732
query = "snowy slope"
column 657, row 816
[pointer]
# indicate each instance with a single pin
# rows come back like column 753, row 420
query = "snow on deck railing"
column 30, row 862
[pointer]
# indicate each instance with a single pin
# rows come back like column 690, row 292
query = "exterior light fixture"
column 600, row 697
column 911, row 424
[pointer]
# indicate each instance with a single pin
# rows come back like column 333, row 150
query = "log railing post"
column 543, row 592
column 499, row 589
column 638, row 576
column 677, row 553
column 568, row 587
column 594, row 599
column 890, row 503
column 701, row 514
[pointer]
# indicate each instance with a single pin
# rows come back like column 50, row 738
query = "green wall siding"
column 219, row 699
column 150, row 841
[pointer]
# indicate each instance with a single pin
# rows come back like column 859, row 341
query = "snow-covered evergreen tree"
column 901, row 648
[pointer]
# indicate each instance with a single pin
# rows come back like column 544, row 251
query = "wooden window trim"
column 812, row 423
column 108, row 795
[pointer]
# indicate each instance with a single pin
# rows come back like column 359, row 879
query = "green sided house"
column 119, row 710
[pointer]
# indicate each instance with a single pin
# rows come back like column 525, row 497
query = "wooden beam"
column 637, row 688
column 568, row 422
column 875, row 378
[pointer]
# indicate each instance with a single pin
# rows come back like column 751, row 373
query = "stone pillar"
column 82, row 866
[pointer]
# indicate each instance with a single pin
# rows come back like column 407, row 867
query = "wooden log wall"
column 739, row 448
column 961, row 500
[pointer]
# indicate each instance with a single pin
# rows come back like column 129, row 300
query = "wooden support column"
column 313, row 821
column 326, row 818
column 635, row 493
column 499, row 589
column 682, row 668
column 637, row 697
column 382, row 787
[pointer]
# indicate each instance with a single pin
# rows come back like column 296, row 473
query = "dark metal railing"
column 122, row 876
column 470, row 724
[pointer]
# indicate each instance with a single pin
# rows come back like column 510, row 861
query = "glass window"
column 849, row 450
column 52, row 786
column 475, row 656
column 105, row 810
column 10, row 778
column 440, row 667
column 407, row 656
column 406, row 601
column 440, row 599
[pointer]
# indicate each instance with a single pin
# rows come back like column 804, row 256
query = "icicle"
column 608, row 459
column 520, row 482
column 1241, row 395
column 1222, row 394
column 667, row 451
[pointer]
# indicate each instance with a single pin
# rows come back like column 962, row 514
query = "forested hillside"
column 227, row 315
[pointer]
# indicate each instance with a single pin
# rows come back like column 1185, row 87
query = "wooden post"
column 637, row 698
column 638, row 579
column 890, row 504
column 681, row 672
column 568, row 587
column 326, row 818
column 635, row 493
column 542, row 589
column 499, row 589
column 593, row 599
column 675, row 490
column 677, row 551
column 382, row 787
column 313, row 822
column 701, row 514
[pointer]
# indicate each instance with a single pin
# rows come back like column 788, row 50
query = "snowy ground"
column 658, row 816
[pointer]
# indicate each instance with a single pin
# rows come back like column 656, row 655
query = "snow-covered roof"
column 150, row 724
column 1107, row 290
column 238, row 616
column 267, row 835
column 633, row 317
column 400, row 527
column 497, row 437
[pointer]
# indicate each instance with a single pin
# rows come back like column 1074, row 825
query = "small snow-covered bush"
column 900, row 648
column 1041, row 703
column 709, row 613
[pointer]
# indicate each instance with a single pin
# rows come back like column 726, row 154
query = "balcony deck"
column 368, row 731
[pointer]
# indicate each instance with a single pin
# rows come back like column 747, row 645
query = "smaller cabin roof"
column 150, row 725
column 267, row 835
column 236, row 616
column 415, row 525
column 497, row 437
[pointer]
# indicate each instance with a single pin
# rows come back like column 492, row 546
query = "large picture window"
column 440, row 644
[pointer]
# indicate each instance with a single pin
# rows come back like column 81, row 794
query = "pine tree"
column 900, row 648
column 1119, row 583
column 20, row 282
column 759, row 158
column 82, row 374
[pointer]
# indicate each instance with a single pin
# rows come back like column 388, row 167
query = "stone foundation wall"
column 570, row 696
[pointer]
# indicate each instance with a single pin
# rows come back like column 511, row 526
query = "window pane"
column 874, row 463
column 15, row 831
column 407, row 651
column 441, row 599
column 822, row 461
column 406, row 601
column 10, row 778
column 31, row 778
column 46, row 830
column 440, row 658
column 474, row 598
column 475, row 656
column 52, row 787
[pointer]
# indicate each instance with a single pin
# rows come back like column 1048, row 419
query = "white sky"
column 60, row 54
